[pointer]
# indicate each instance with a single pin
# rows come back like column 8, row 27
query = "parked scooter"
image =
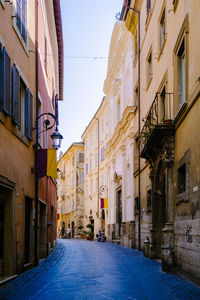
column 101, row 236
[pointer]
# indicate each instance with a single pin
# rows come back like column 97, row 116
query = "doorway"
column 1, row 235
column 119, row 212
column 27, row 230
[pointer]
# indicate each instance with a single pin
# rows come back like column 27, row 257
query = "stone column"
column 167, row 248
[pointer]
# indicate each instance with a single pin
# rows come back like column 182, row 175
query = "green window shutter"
column 16, row 97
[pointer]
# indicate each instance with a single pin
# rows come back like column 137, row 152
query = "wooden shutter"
column 28, row 114
column 1, row 79
column 23, row 20
column 5, row 84
column 7, row 102
column 16, row 97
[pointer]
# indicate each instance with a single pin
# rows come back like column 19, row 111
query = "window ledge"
column 20, row 136
column 148, row 19
column 149, row 82
column 161, row 49
column 24, row 45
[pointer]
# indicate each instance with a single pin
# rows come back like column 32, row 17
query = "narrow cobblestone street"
column 80, row 269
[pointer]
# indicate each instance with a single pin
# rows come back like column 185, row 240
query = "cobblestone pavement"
column 80, row 269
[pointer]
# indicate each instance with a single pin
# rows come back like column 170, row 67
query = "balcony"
column 158, row 128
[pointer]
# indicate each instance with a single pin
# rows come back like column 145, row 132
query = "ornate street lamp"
column 56, row 136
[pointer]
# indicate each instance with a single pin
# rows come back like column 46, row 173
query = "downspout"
column 36, row 126
column 98, row 186
column 139, row 119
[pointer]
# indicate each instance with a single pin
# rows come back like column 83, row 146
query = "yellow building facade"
column 71, row 190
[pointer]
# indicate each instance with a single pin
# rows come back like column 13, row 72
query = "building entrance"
column 119, row 212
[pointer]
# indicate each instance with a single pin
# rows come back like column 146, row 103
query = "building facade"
column 167, row 184
column 119, row 152
column 95, row 137
column 19, row 87
column 71, row 190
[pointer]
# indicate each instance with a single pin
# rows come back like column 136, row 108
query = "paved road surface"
column 85, row 270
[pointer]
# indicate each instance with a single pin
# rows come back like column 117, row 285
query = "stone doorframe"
column 161, row 175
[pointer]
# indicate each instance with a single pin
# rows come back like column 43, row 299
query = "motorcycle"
column 101, row 236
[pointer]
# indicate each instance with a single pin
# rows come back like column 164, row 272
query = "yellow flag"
column 51, row 163
column 105, row 203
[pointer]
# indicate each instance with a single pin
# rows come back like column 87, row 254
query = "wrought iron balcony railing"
column 160, row 113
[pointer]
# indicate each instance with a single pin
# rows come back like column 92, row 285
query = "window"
column 136, row 205
column 73, row 161
column 148, row 6
column 73, row 180
column 96, row 159
column 149, row 68
column 5, row 81
column 91, row 186
column 181, row 74
column 182, row 179
column 21, row 18
column 136, row 97
column 102, row 153
column 73, row 204
column 22, row 105
column 90, row 164
column 162, row 29
column 148, row 200
column 81, row 157
column 86, row 168
column 118, row 110
column 81, row 178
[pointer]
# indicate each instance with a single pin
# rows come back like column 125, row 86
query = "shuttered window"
column 22, row 105
column 21, row 17
column 16, row 97
column 5, row 82
column 28, row 114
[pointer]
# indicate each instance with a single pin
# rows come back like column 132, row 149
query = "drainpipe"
column 36, row 126
column 139, row 119
column 98, row 167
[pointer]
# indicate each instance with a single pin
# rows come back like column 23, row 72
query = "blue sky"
column 87, row 31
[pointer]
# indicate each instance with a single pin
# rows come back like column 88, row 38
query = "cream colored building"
column 95, row 137
column 70, row 189
column 167, row 215
column 119, row 152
